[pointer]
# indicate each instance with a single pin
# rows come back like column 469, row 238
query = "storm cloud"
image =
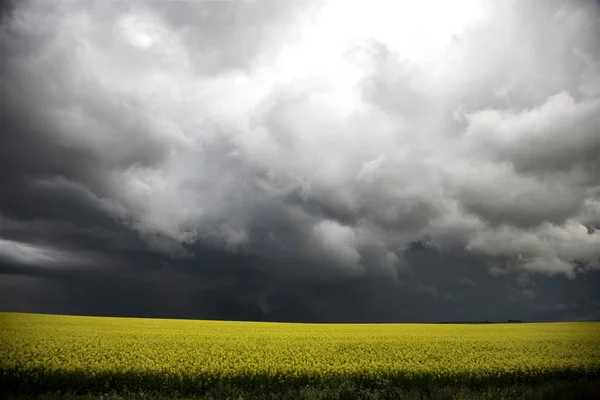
column 315, row 161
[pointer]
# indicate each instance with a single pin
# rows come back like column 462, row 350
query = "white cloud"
column 338, row 243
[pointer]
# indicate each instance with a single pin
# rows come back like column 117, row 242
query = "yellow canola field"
column 221, row 350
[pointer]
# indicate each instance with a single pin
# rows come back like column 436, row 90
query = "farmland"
column 49, row 353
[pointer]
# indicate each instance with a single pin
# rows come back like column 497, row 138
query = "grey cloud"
column 500, row 196
column 524, row 54
column 222, row 35
column 466, row 282
column 560, row 135
column 394, row 84
column 427, row 289
column 33, row 254
column 194, row 153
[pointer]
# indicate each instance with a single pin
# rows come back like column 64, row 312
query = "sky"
column 308, row 161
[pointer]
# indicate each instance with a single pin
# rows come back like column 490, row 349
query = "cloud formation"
column 301, row 156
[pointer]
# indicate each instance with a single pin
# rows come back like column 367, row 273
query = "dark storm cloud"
column 247, row 161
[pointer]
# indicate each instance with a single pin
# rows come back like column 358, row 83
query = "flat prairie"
column 45, row 354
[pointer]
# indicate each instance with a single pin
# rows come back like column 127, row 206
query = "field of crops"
column 95, row 354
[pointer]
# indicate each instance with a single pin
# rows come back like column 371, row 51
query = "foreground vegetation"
column 581, row 389
column 48, row 354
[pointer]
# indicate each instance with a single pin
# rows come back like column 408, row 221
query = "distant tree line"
column 511, row 321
